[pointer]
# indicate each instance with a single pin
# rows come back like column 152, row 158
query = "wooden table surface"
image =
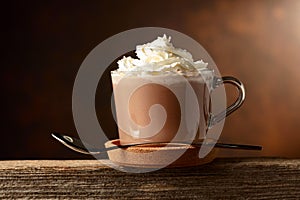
column 224, row 178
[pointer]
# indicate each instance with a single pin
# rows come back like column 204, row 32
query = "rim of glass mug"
column 206, row 75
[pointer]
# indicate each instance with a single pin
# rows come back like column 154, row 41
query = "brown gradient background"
column 45, row 42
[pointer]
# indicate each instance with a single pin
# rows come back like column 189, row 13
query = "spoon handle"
column 238, row 146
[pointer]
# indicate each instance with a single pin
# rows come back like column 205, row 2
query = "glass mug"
column 168, row 106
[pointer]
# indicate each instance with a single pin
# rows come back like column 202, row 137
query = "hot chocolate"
column 158, row 95
column 156, row 108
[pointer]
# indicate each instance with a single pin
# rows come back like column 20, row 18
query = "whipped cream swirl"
column 160, row 55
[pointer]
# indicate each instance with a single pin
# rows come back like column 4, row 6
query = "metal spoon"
column 85, row 148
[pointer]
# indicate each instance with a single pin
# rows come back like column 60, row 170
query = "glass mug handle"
column 238, row 102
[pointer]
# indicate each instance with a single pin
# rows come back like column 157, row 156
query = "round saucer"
column 158, row 155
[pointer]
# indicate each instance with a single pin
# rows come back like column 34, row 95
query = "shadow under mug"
column 168, row 106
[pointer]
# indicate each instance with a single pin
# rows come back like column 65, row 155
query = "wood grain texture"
column 224, row 178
